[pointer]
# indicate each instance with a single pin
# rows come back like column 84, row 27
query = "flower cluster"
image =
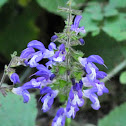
column 87, row 86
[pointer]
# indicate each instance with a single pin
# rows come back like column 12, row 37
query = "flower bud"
column 82, row 41
column 54, row 37
column 14, row 78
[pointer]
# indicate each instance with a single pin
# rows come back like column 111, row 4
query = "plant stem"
column 4, row 74
column 68, row 41
column 117, row 69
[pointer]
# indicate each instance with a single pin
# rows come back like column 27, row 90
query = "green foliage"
column 52, row 6
column 95, row 10
column 13, row 112
column 17, row 30
column 116, row 117
column 88, row 22
column 109, row 11
column 23, row 2
column 62, row 97
column 62, row 70
column 97, row 16
column 2, row 2
column 116, row 27
column 122, row 77
column 78, row 75
column 77, row 54
column 118, row 3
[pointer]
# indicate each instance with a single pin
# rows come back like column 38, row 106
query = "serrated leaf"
column 118, row 3
column 116, row 27
column 122, row 77
column 62, row 70
column 117, row 117
column 13, row 112
column 2, row 2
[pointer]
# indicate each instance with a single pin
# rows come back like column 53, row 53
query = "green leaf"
column 122, row 77
column 118, row 3
column 13, row 112
column 91, row 17
column 95, row 10
column 77, row 3
column 2, row 2
column 77, row 54
column 110, row 11
column 53, row 6
column 117, row 117
column 78, row 75
column 62, row 70
column 62, row 98
column 116, row 27
column 62, row 83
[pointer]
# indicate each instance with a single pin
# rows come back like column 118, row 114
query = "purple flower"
column 48, row 99
column 75, row 95
column 59, row 55
column 33, row 62
column 54, row 37
column 101, row 88
column 43, row 72
column 100, row 74
column 89, row 93
column 15, row 78
column 48, row 53
column 23, row 92
column 52, row 46
column 71, row 110
column 87, row 82
column 96, row 59
column 59, row 119
column 90, row 67
column 23, row 89
column 37, row 45
column 52, row 76
column 27, row 53
column 75, row 26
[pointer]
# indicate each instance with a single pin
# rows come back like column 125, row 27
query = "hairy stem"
column 68, row 41
column 4, row 74
column 117, row 69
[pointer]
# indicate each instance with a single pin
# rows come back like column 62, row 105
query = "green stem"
column 68, row 41
column 117, row 69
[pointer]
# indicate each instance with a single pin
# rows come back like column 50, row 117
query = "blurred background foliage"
column 105, row 22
